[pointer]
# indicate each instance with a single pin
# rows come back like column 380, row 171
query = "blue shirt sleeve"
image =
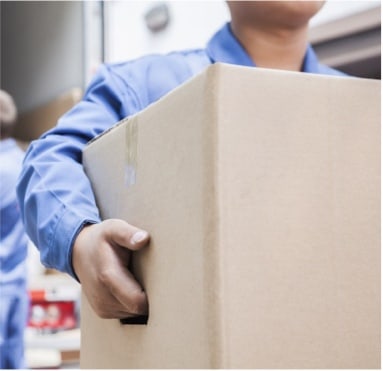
column 56, row 196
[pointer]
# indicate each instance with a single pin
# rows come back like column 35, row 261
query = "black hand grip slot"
column 137, row 320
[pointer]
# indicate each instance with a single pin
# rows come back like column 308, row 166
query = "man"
column 13, row 245
column 59, row 207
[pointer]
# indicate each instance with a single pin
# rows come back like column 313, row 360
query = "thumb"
column 124, row 234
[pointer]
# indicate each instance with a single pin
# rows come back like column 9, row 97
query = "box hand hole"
column 137, row 320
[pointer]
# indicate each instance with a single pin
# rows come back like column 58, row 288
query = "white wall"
column 42, row 42
column 339, row 9
column 192, row 24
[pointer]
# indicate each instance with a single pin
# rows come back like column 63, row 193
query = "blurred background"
column 50, row 51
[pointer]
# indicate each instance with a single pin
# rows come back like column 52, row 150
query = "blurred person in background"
column 59, row 208
column 14, row 300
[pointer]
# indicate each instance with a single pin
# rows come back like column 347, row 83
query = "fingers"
column 115, row 293
column 119, row 280
column 124, row 234
column 100, row 256
column 106, row 305
column 128, row 292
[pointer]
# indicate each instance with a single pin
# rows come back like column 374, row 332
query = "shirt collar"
column 224, row 47
column 310, row 61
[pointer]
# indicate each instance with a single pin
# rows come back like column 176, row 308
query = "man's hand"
column 101, row 255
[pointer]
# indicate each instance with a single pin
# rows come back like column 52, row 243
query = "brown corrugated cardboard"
column 30, row 125
column 261, row 191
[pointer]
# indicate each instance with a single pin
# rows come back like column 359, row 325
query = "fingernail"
column 138, row 237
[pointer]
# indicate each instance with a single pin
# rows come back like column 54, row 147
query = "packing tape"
column 131, row 135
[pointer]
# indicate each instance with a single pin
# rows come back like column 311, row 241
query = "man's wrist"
column 84, row 224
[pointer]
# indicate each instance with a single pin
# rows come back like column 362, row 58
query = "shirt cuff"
column 66, row 232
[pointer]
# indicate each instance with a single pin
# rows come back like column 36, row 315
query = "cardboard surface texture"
column 261, row 191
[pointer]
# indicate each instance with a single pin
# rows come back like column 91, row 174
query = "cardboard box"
column 32, row 124
column 261, row 191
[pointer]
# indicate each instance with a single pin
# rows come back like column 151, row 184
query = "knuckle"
column 102, row 314
column 137, row 304
column 106, row 315
column 101, row 311
column 106, row 276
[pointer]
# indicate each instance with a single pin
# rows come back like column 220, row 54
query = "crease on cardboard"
column 131, row 137
column 213, row 223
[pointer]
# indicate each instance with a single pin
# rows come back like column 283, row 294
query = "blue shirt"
column 56, row 195
column 13, row 240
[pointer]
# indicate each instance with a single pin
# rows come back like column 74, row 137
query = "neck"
column 278, row 48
